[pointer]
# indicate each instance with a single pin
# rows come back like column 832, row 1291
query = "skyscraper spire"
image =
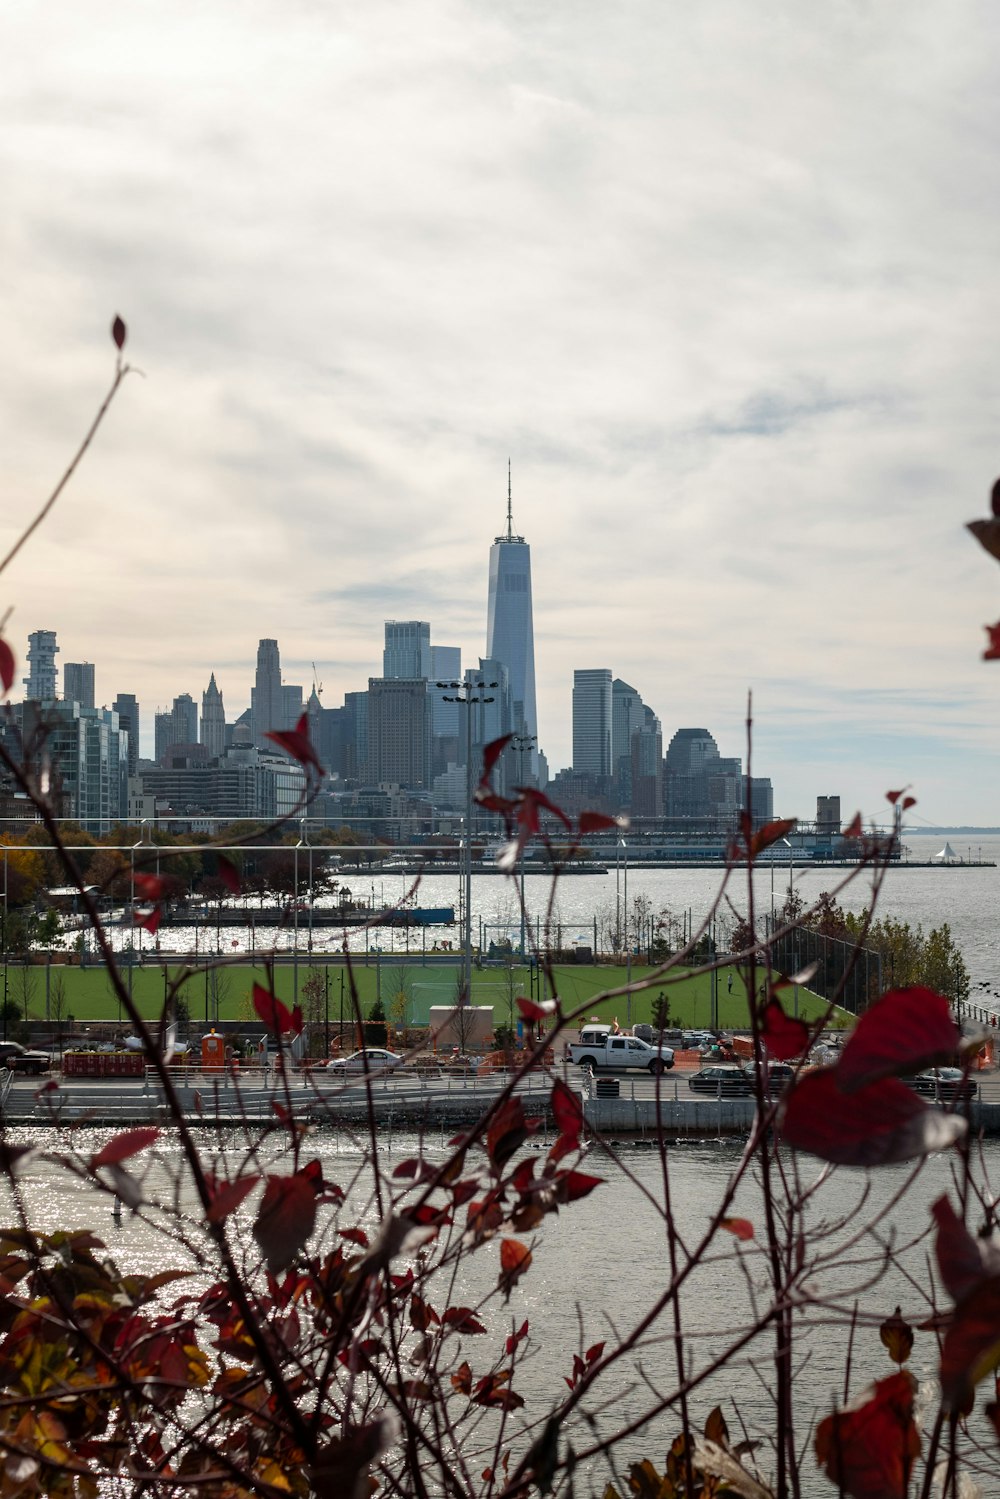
column 510, row 513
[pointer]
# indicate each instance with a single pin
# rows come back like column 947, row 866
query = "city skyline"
column 720, row 284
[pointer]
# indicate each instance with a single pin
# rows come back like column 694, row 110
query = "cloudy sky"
column 720, row 278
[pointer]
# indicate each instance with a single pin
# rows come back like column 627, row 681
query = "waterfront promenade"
column 404, row 1102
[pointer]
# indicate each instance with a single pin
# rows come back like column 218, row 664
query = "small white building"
column 469, row 1027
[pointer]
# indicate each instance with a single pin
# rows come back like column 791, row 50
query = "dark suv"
column 18, row 1058
column 722, row 1082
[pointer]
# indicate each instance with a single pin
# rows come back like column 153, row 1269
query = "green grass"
column 88, row 993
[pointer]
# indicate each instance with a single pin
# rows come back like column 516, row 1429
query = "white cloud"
column 720, row 281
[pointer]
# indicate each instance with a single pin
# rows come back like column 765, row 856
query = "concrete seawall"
column 437, row 1104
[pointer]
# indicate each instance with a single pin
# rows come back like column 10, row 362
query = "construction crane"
column 317, row 684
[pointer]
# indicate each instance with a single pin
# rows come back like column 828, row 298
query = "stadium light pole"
column 522, row 743
column 467, row 694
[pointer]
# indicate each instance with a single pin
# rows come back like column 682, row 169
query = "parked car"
column 780, row 1075
column 722, row 1081
column 21, row 1059
column 368, row 1059
column 944, row 1083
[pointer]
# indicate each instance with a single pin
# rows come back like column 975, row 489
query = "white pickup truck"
column 600, row 1049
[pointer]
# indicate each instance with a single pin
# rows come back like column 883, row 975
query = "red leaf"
column 960, row 1261
column 508, row 1131
column 296, row 742
column 515, row 1259
column 567, row 1109
column 492, row 753
column 992, row 651
column 893, row 796
column 908, row 802
column 278, row 1018
column 533, row 1010
column 227, row 1198
column 883, row 1122
column 122, row 1146
column 7, row 667
column 853, row 829
column 742, row 1228
column 869, row 1448
column 897, row 1337
column 285, row 1219
column 493, row 803
column 462, row 1319
column 771, row 832
column 355, row 1236
column 905, row 1031
column 576, row 1184
column 228, row 874
column 461, row 1380
column 971, row 1344
column 118, row 332
column 514, row 1338
column 783, row 1036
column 596, row 822
column 530, row 804
column 522, row 1177
column 491, row 1391
column 151, row 921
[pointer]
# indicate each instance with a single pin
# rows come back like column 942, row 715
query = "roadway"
column 405, row 1085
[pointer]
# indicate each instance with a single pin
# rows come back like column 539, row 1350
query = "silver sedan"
column 369, row 1059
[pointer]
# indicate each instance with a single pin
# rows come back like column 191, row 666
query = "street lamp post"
column 302, row 843
column 791, row 877
column 522, row 742
column 467, row 694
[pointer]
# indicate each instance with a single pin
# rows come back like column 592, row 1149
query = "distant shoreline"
column 939, row 832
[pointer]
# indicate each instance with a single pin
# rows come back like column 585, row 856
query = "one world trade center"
column 510, row 635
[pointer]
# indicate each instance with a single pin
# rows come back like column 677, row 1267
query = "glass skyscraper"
column 510, row 635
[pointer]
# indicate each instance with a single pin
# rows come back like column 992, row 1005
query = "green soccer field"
column 407, row 991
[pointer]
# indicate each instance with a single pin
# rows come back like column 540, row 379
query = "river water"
column 602, row 1261
column 966, row 895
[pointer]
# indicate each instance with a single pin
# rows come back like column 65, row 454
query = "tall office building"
column 185, row 719
column 446, row 729
column 267, row 710
column 88, row 758
column 178, row 725
column 40, row 683
column 510, row 635
column 292, row 706
column 592, row 722
column 399, row 731
column 356, row 736
column 127, row 708
column 446, row 666
column 646, row 757
column 78, row 683
column 827, row 815
column 213, row 720
column 699, row 784
column 627, row 709
column 407, row 651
